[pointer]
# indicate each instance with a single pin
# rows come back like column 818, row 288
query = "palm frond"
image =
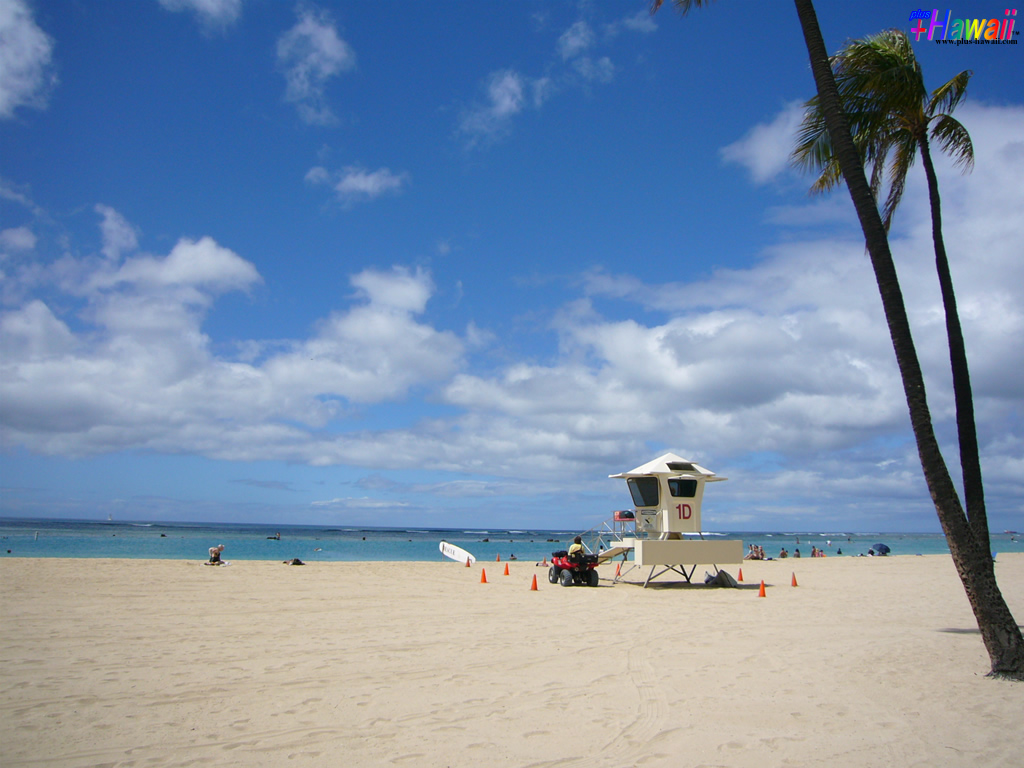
column 813, row 149
column 904, row 153
column 947, row 96
column 952, row 138
column 882, row 72
column 831, row 176
column 809, row 135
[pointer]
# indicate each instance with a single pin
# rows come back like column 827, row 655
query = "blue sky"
column 454, row 263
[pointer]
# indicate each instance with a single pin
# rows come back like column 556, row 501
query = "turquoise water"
column 190, row 541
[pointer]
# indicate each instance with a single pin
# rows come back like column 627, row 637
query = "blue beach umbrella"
column 882, row 549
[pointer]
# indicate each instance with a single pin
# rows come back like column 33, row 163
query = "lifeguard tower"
column 667, row 494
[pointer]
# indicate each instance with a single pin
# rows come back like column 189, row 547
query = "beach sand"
column 868, row 662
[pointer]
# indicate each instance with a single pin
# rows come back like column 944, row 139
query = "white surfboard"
column 456, row 553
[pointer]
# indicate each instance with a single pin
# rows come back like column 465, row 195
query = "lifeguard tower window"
column 681, row 488
column 644, row 491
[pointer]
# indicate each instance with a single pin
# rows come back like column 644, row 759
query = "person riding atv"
column 574, row 566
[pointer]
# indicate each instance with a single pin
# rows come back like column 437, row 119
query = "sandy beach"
column 867, row 662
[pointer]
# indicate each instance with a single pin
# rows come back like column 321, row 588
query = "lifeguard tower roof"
column 670, row 464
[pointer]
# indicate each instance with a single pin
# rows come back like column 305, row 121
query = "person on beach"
column 215, row 554
column 576, row 549
column 796, row 552
column 783, row 553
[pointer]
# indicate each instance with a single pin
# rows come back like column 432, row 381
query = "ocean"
column 21, row 537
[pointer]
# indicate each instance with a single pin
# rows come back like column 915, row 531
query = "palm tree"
column 999, row 630
column 891, row 112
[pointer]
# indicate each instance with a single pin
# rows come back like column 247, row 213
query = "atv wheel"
column 553, row 572
column 565, row 577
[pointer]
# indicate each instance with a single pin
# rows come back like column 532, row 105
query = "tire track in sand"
column 631, row 744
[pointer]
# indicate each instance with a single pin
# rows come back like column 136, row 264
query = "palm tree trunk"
column 999, row 631
column 967, row 434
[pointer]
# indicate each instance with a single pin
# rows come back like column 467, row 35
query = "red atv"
column 579, row 569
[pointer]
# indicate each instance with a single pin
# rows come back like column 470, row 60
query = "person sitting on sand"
column 783, row 553
column 796, row 552
column 756, row 553
column 215, row 554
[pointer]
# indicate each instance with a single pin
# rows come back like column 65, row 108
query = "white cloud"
column 791, row 357
column 10, row 191
column 360, row 184
column 542, row 88
column 26, row 53
column 34, row 333
column 359, row 503
column 138, row 371
column 509, row 92
column 356, row 185
column 375, row 351
column 398, row 289
column 602, row 70
column 505, row 92
column 575, row 40
column 310, row 54
column 642, row 21
column 764, row 150
column 201, row 266
column 572, row 47
column 505, row 97
column 317, row 175
column 118, row 234
column 17, row 239
column 211, row 13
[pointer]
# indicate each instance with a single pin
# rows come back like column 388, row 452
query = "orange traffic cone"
column 761, row 593
column 467, row 562
column 506, row 569
column 545, row 562
column 618, row 568
column 794, row 579
column 533, row 587
column 483, row 576
column 497, row 558
column 740, row 578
